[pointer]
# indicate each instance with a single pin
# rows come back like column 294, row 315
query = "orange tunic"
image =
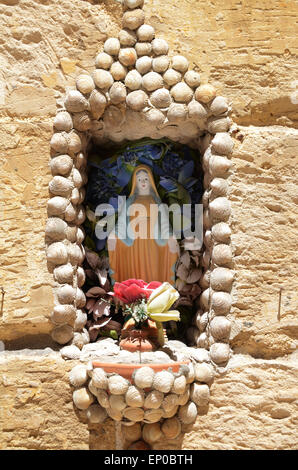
column 145, row 259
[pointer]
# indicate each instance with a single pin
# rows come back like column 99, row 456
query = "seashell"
column 134, row 414
column 64, row 274
column 155, row 117
column 127, row 38
column 82, row 398
column 117, row 385
column 78, row 375
column 221, row 303
column 81, row 215
column 197, row 111
column 202, row 321
column 133, row 19
column 163, row 381
column 117, row 402
column 222, row 255
column 77, row 178
column 57, row 253
column 102, row 78
column 172, row 77
column 192, row 335
column 153, row 416
column 81, row 277
column 80, row 161
column 204, row 299
column 114, row 414
column 97, row 103
column 169, row 414
column 183, row 399
column 132, row 433
column 205, row 93
column 75, row 101
column 221, row 232
column 177, row 112
column 206, row 258
column 192, row 78
column 133, row 3
column 169, row 402
column 99, row 378
column 103, row 61
column 219, row 187
column 134, row 397
column 180, row 63
column 160, row 46
column 207, row 239
column 152, row 81
column 153, row 400
column 63, row 314
column 219, row 125
column 219, row 166
column 80, row 235
column 117, row 93
column 144, row 65
column 61, row 165
column 85, row 84
column 127, row 56
column 74, row 142
column 70, row 213
column 66, row 294
column 80, row 298
column 222, row 143
column 96, row 414
column 63, row 121
column 70, row 352
column 220, row 209
column 55, row 229
column 145, row 32
column 179, row 385
column 221, row 279
column 81, row 338
column 220, row 328
column 161, row 98
column 143, row 377
column 81, row 121
column 133, row 80
column 113, row 116
column 204, row 373
column 200, row 394
column 220, row 353
column 62, row 334
column 81, row 320
column 206, row 180
column 171, row 428
column 190, row 374
column 137, row 100
column 219, row 106
column 151, row 432
column 188, row 413
column 143, row 48
column 112, row 46
column 182, row 93
column 59, row 142
column 103, row 398
column 161, row 64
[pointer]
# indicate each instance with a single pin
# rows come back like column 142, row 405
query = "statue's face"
column 143, row 183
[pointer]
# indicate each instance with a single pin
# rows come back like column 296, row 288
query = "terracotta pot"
column 126, row 370
column 143, row 340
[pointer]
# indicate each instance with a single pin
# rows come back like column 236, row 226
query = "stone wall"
column 247, row 50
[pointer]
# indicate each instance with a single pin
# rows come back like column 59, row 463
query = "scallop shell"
column 170, row 413
column 205, row 93
column 112, row 46
column 62, row 334
column 102, row 79
column 63, row 121
column 61, row 165
column 117, row 93
column 172, row 77
column 74, row 142
column 78, row 375
column 132, row 433
column 117, row 402
column 161, row 63
column 180, row 63
column 77, row 178
column 204, row 299
column 179, row 385
column 221, row 303
column 152, row 81
column 163, row 381
column 80, row 298
column 81, row 215
column 81, row 277
column 219, row 125
column 81, row 320
column 221, row 232
column 80, row 235
column 59, row 142
column 57, row 253
column 160, row 47
column 85, row 84
column 161, row 98
column 127, row 56
column 63, row 314
column 200, row 394
column 99, row 378
column 116, row 415
column 220, row 209
column 75, row 254
column 153, row 416
column 134, row 397
column 202, row 321
column 220, row 328
column 133, row 3
column 103, row 398
column 75, row 101
column 220, row 353
column 222, row 255
column 188, row 413
column 127, row 38
column 80, row 339
column 82, row 398
column 169, row 402
column 66, row 294
column 103, row 61
column 80, row 160
column 143, row 377
column 197, row 111
column 203, row 341
column 144, row 65
column 151, row 432
column 153, row 400
column 171, row 428
column 137, row 100
column 222, row 143
column 145, row 32
column 96, row 414
column 143, row 48
column 183, row 399
column 204, row 373
column 219, row 106
column 81, row 121
column 117, row 385
column 55, row 229
column 133, row 19
column 219, row 187
column 133, row 80
column 155, row 117
column 70, row 352
column 190, row 374
column 222, row 279
column 177, row 112
column 134, row 414
column 97, row 103
column 192, row 78
column 182, row 93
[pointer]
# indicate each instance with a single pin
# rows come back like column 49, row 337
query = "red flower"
column 134, row 289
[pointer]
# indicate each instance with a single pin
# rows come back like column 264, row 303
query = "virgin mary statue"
column 142, row 245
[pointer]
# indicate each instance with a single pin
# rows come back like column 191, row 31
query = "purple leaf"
column 94, row 292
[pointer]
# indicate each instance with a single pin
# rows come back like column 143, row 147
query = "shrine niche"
column 141, row 126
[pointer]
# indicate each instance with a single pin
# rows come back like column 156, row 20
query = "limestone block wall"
column 248, row 51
